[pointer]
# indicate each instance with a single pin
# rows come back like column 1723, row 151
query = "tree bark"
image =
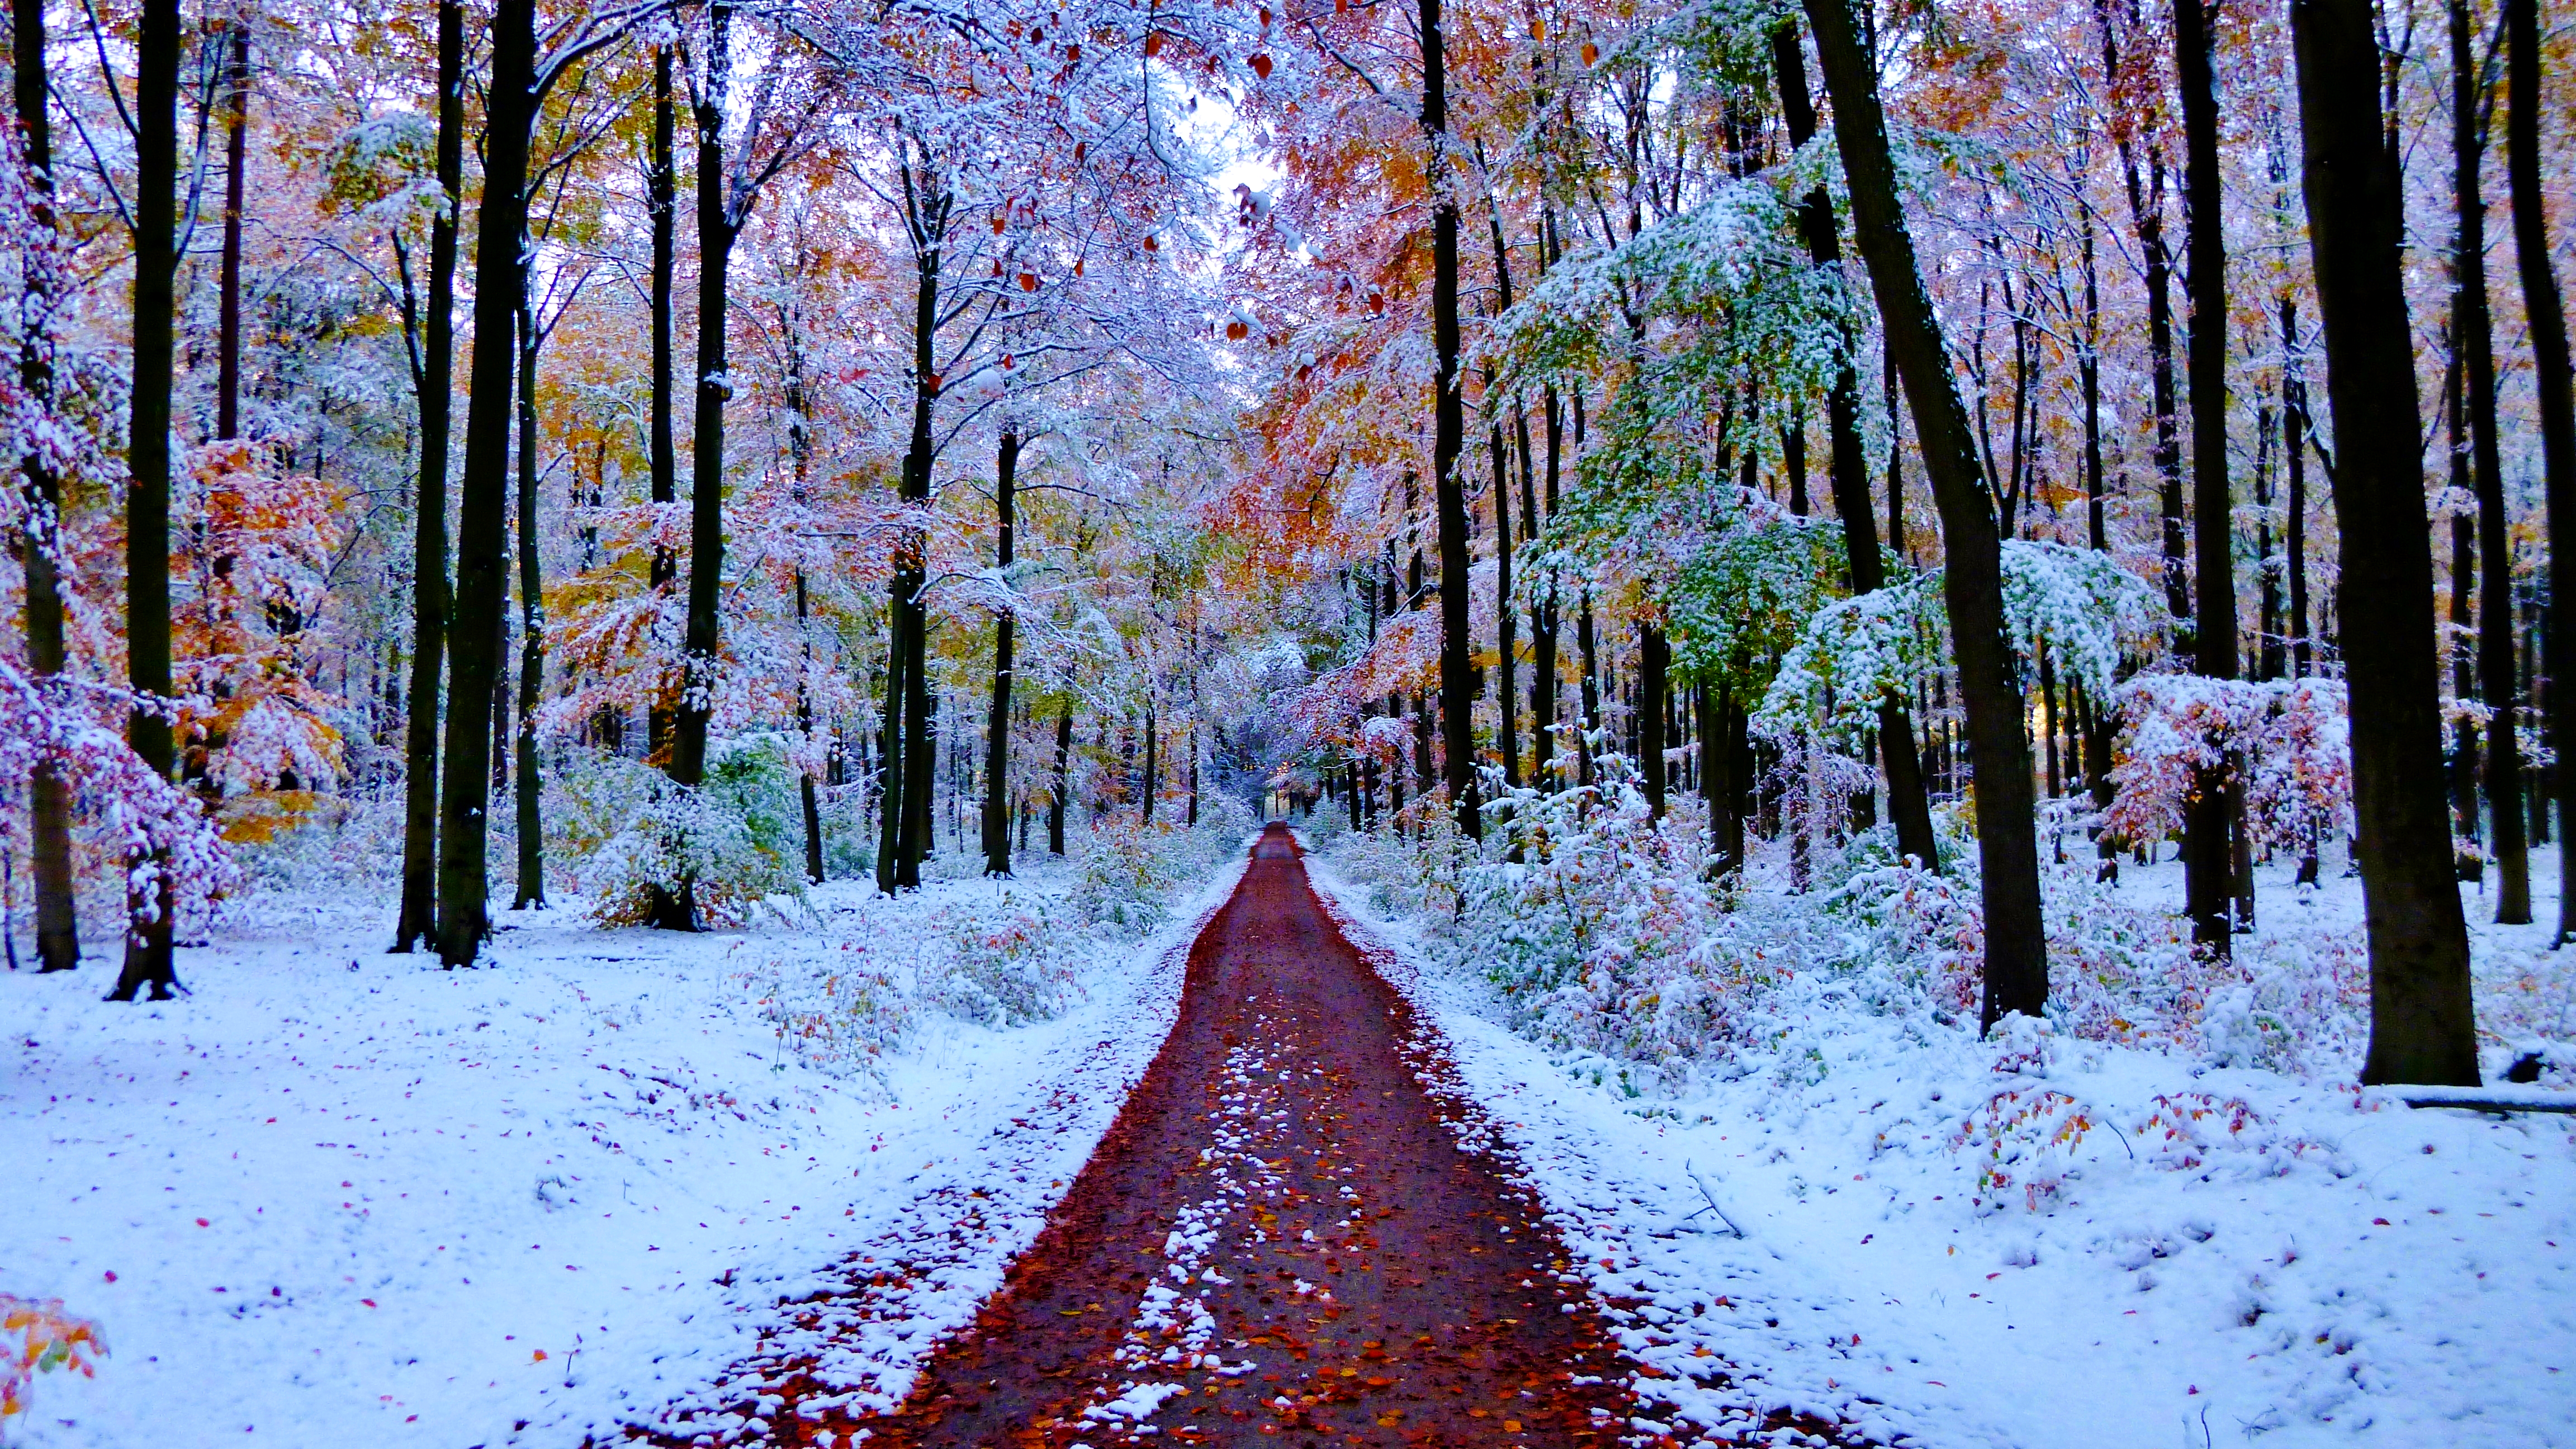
column 49, row 795
column 2146, row 210
column 1908, row 806
column 903, row 828
column 418, row 918
column 717, row 228
column 2210, row 822
column 2552, row 377
column 2016, row 966
column 531, row 893
column 997, row 729
column 2474, row 333
column 481, row 524
column 236, row 43
column 151, row 896
column 661, row 186
column 1056, row 801
column 2294, row 529
column 1448, row 440
column 1654, row 666
column 2423, row 1027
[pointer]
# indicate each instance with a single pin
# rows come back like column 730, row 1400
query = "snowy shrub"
column 1007, row 963
column 40, row 1338
column 2025, row 1138
column 1121, row 877
column 1127, row 872
column 1602, row 936
column 839, row 1017
column 737, row 840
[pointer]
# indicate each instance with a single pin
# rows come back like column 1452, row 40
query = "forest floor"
column 339, row 1196
column 590, row 1190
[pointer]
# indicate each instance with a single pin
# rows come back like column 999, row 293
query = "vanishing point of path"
column 1280, row 1241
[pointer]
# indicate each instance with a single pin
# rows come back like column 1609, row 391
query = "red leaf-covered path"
column 1279, row 1242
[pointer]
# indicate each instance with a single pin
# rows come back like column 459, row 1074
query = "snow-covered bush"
column 736, row 840
column 838, row 1016
column 1603, row 937
column 1008, row 962
column 1126, row 872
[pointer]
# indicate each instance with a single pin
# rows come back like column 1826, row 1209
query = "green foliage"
column 737, row 840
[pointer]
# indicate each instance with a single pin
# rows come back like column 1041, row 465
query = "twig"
column 1712, row 1201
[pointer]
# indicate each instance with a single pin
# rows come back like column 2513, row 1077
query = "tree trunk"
column 903, row 830
column 531, row 894
column 1654, row 664
column 481, row 571
column 1543, row 664
column 1448, row 440
column 2016, row 966
column 2294, row 528
column 2210, row 823
column 1506, row 699
column 1907, row 805
column 418, row 918
column 2552, row 378
column 717, row 227
column 661, row 185
column 236, row 44
column 1153, row 761
column 2473, row 333
column 151, row 896
column 997, row 730
column 49, row 795
column 2146, row 210
column 2423, row 1027
column 1063, row 780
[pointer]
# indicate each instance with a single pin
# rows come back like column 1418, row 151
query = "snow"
column 2218, row 1254
column 339, row 1195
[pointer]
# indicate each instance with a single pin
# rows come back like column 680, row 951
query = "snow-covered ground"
column 339, row 1196
column 2216, row 1255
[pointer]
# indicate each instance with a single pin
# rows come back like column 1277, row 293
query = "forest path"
column 1281, row 1241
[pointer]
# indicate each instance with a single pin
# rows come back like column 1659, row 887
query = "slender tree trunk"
column 2210, row 822
column 2474, row 330
column 2016, row 966
column 997, row 730
column 531, row 894
column 1591, row 686
column 717, row 227
column 1063, row 779
column 1543, row 664
column 800, row 456
column 2464, row 685
column 2294, row 454
column 2146, row 210
column 49, row 795
column 1908, row 806
column 481, row 525
column 1153, row 762
column 1654, row 666
column 1448, row 440
column 904, row 830
column 151, row 896
column 661, row 184
column 2423, row 1027
column 236, row 42
column 1506, row 700
column 2552, row 379
column 418, row 918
